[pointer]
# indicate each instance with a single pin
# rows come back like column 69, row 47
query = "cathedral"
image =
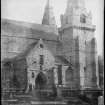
column 43, row 56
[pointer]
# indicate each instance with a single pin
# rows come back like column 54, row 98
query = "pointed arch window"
column 84, row 68
column 66, row 20
column 69, row 75
column 60, row 74
column 85, row 42
column 33, row 75
column 41, row 45
column 41, row 59
column 83, row 18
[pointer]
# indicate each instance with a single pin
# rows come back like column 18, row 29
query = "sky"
column 32, row 11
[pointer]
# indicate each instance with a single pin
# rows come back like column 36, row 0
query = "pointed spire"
column 48, row 18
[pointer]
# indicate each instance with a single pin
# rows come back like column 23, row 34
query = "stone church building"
column 43, row 56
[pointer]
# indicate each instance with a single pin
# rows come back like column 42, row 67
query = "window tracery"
column 83, row 18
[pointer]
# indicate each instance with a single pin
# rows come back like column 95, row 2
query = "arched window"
column 69, row 75
column 59, row 74
column 41, row 45
column 41, row 59
column 33, row 75
column 85, row 42
column 84, row 68
column 83, row 18
column 66, row 20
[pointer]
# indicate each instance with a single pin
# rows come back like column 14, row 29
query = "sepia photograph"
column 52, row 52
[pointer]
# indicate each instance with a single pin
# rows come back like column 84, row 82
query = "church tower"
column 48, row 17
column 76, row 13
column 77, row 36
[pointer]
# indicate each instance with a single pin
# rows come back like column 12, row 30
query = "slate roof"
column 24, row 54
column 29, row 30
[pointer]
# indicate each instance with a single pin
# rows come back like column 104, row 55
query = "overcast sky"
column 32, row 11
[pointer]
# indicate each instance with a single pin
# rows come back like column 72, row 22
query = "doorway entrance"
column 41, row 81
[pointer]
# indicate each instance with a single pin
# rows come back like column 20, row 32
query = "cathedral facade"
column 40, row 56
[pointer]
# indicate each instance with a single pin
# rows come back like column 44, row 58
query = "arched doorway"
column 41, row 81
